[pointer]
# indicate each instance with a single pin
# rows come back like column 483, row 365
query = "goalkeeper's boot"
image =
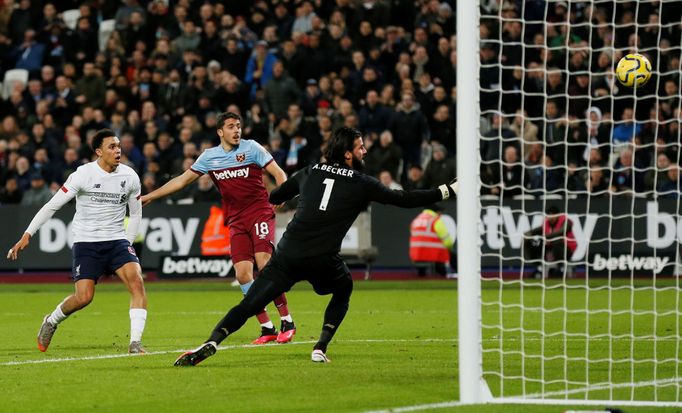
column 135, row 347
column 196, row 356
column 318, row 356
column 45, row 334
column 267, row 335
column 286, row 332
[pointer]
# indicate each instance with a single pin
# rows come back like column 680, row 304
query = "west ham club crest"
column 241, row 157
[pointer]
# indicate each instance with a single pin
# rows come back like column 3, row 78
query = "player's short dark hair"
column 99, row 137
column 342, row 140
column 223, row 117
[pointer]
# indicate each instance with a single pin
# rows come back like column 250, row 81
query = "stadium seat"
column 106, row 27
column 71, row 17
column 13, row 76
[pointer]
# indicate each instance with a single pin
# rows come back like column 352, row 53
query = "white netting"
column 601, row 322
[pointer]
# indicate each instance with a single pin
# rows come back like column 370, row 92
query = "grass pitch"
column 397, row 347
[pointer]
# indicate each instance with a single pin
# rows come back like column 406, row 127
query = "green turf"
column 397, row 347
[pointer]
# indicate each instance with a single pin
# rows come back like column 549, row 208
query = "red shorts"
column 246, row 241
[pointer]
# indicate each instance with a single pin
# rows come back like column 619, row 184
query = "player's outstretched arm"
column 174, row 185
column 13, row 252
column 288, row 189
column 57, row 201
column 410, row 199
column 276, row 172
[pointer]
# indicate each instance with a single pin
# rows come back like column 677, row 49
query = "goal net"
column 578, row 233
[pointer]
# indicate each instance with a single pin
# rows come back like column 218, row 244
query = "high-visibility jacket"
column 429, row 238
column 548, row 228
column 215, row 239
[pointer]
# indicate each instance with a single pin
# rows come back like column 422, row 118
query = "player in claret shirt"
column 102, row 189
column 236, row 168
column 331, row 196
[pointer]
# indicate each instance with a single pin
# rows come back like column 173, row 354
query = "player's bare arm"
column 288, row 190
column 57, row 201
column 13, row 252
column 279, row 175
column 172, row 186
column 276, row 172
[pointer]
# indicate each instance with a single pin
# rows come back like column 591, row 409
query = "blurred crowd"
column 158, row 73
column 556, row 121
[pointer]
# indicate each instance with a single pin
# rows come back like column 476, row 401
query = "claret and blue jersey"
column 238, row 175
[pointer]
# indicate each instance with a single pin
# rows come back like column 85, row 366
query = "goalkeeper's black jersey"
column 330, row 199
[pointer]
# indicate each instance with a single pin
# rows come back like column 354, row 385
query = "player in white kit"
column 102, row 189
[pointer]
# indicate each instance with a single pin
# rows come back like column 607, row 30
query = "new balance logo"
column 234, row 173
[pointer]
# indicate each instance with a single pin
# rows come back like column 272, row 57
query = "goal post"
column 472, row 387
column 547, row 136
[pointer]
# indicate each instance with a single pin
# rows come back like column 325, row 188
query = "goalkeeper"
column 330, row 197
column 555, row 237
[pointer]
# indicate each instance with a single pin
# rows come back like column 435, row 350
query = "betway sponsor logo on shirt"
column 231, row 173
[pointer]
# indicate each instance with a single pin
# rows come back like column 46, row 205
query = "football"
column 633, row 70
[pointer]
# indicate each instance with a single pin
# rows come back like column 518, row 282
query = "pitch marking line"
column 236, row 346
column 546, row 398
column 418, row 407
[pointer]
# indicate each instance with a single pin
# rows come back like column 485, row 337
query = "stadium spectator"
column 544, row 177
column 511, row 175
column 278, row 153
column 280, row 91
column 386, row 155
column 38, row 194
column 431, row 242
column 671, row 188
column 626, row 130
column 29, row 54
column 443, row 129
column 311, row 97
column 386, row 179
column 524, row 128
column 409, row 128
column 440, row 168
column 598, row 182
column 415, row 178
column 83, row 44
column 554, row 239
column 257, row 124
column 658, row 177
column 91, row 87
column 10, row 193
column 198, row 60
column 205, row 191
column 626, row 177
column 374, row 116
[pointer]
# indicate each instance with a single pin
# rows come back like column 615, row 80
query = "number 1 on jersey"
column 328, row 185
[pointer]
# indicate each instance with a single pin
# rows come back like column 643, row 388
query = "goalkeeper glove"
column 450, row 189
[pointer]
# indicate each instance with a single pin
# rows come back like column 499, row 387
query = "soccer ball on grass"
column 633, row 70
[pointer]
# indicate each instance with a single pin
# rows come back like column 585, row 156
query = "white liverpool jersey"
column 101, row 199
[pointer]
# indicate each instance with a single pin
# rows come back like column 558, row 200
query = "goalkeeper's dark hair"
column 223, row 117
column 342, row 140
column 99, row 137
